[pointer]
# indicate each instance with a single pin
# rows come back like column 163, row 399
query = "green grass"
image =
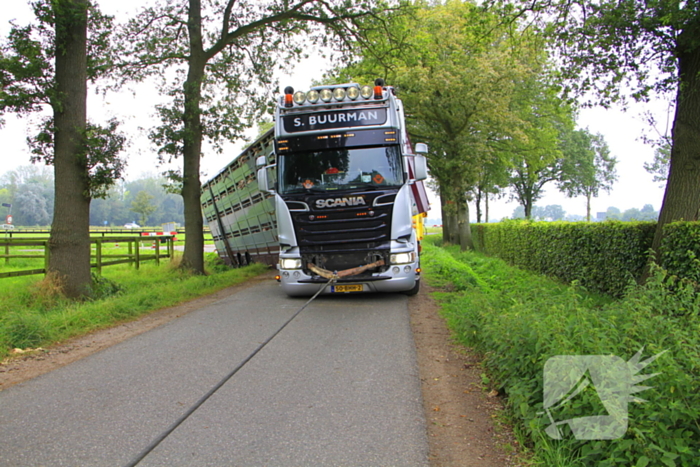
column 518, row 320
column 33, row 315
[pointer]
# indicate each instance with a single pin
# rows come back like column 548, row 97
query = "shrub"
column 603, row 256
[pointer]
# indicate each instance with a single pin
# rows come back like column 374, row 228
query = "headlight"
column 403, row 258
column 299, row 97
column 339, row 94
column 353, row 93
column 312, row 96
column 326, row 95
column 367, row 92
column 290, row 263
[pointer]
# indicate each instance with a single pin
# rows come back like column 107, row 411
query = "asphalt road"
column 339, row 386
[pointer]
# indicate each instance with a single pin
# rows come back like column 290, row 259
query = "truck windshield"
column 341, row 169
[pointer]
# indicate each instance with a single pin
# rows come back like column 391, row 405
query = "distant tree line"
column 554, row 212
column 30, row 191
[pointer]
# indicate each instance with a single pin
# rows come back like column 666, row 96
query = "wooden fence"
column 100, row 257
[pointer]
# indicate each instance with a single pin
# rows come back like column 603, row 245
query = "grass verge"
column 33, row 314
column 519, row 320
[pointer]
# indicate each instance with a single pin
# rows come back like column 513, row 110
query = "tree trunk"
column 465, row 231
column 528, row 208
column 69, row 245
column 486, row 208
column 588, row 207
column 479, row 194
column 682, row 196
column 449, row 223
column 193, row 257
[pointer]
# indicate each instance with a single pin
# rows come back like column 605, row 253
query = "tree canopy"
column 216, row 60
column 616, row 50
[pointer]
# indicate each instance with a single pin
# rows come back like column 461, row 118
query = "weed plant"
column 518, row 320
column 33, row 313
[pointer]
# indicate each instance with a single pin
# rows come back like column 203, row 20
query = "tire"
column 414, row 290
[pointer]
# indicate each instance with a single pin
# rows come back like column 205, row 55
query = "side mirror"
column 420, row 165
column 263, row 181
column 260, row 162
column 421, row 148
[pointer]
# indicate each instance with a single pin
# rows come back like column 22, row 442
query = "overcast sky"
column 622, row 132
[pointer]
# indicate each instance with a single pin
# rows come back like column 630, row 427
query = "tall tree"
column 616, row 49
column 220, row 57
column 48, row 65
column 587, row 166
column 537, row 158
column 457, row 84
column 142, row 206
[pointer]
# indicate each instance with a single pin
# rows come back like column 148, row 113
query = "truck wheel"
column 414, row 290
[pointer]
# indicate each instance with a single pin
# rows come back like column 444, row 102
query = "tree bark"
column 528, row 208
column 682, row 195
column 449, row 221
column 69, row 245
column 465, row 231
column 588, row 207
column 479, row 195
column 193, row 256
column 486, row 208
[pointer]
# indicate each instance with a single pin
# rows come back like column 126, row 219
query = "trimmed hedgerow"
column 680, row 249
column 601, row 256
column 518, row 320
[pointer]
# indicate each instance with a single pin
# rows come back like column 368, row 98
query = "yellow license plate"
column 347, row 288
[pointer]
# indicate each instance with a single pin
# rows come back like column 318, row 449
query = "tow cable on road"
column 135, row 461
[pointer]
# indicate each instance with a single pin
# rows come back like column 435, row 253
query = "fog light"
column 285, row 274
column 312, row 96
column 339, row 94
column 299, row 97
column 395, row 270
column 297, row 274
column 407, row 269
column 326, row 95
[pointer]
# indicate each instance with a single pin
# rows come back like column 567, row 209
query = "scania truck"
column 338, row 192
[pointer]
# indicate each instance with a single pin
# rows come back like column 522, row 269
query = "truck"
column 337, row 194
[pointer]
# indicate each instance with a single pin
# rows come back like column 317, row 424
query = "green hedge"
column 680, row 250
column 519, row 320
column 601, row 256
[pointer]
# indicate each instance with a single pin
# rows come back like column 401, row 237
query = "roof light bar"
column 339, row 93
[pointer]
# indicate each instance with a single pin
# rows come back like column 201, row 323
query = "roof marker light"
column 288, row 99
column 378, row 85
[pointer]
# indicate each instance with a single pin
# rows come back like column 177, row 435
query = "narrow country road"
column 339, row 386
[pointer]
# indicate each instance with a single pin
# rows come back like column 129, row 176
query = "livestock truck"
column 334, row 190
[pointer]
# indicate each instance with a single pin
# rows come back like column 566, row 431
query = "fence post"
column 98, row 255
column 130, row 252
column 7, row 252
column 171, row 247
column 46, row 257
column 137, row 245
column 157, row 251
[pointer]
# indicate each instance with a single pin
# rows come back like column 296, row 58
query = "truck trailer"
column 337, row 194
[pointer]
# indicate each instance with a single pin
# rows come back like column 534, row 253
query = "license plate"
column 346, row 288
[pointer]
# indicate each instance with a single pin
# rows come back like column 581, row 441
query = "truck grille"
column 349, row 226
